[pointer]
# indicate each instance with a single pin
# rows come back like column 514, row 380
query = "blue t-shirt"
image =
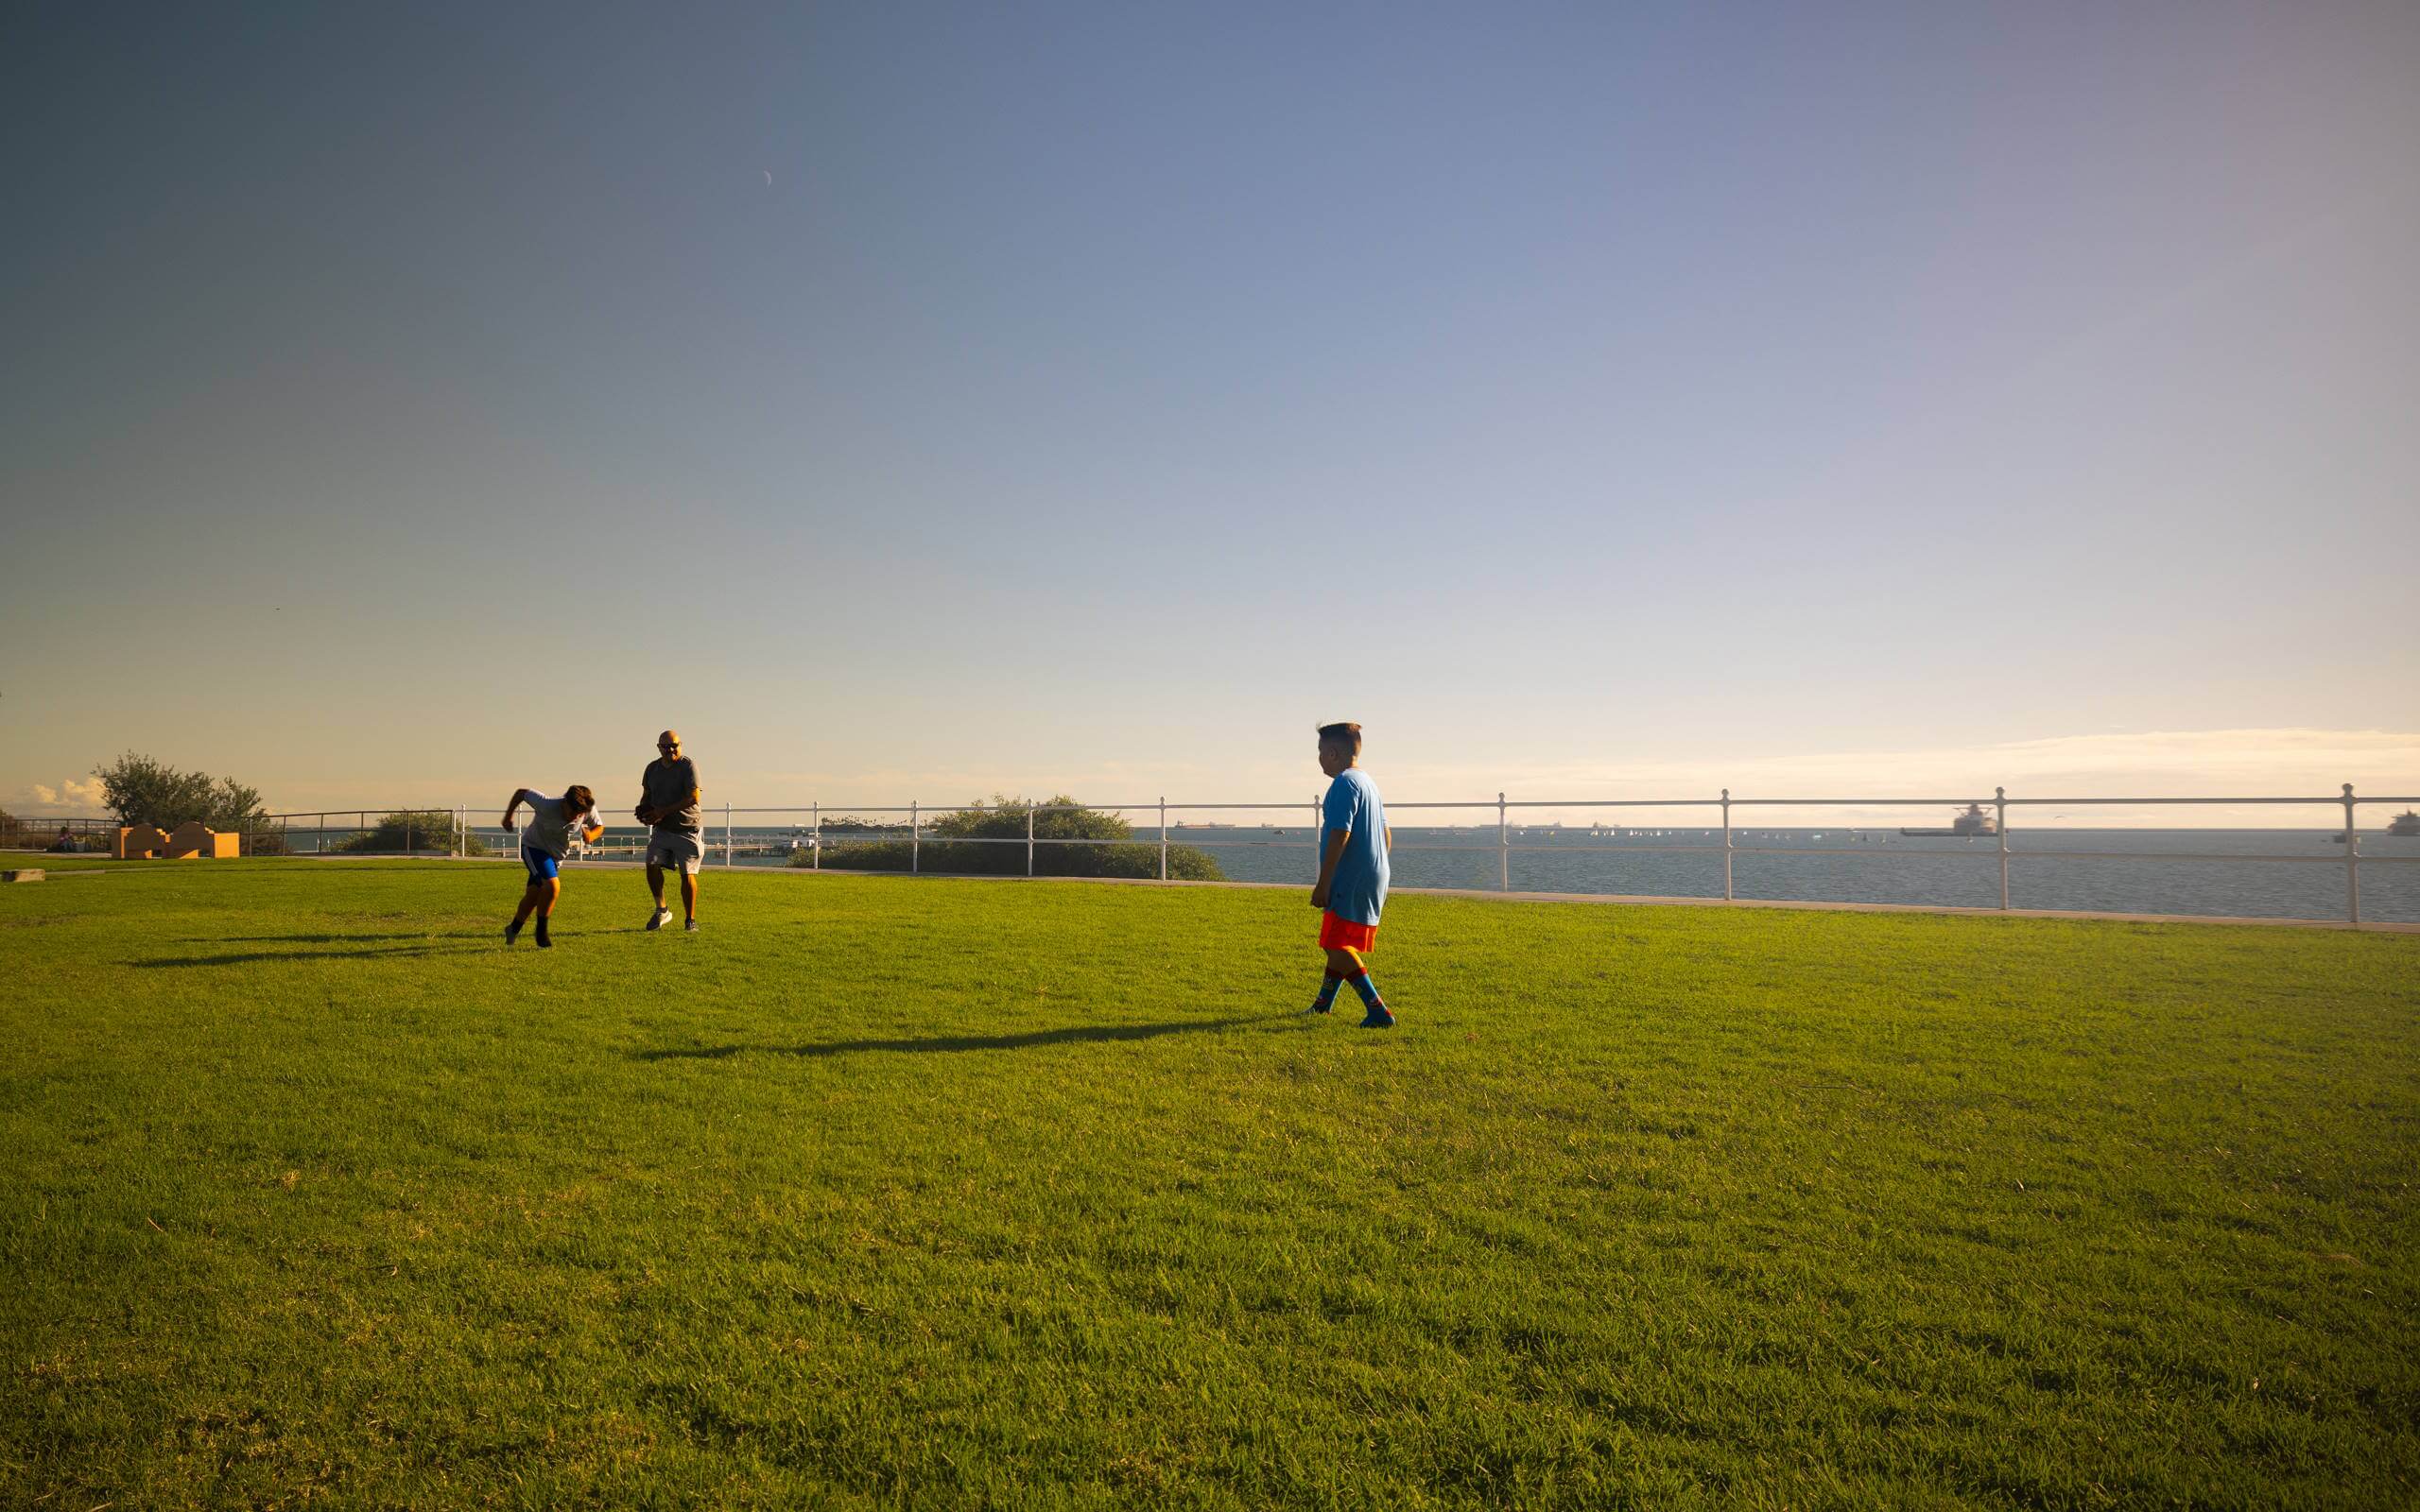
column 1359, row 889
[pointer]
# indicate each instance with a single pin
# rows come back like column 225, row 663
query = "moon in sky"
column 769, row 177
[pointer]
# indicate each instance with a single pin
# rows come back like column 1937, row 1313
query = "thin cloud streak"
column 2158, row 763
column 2268, row 762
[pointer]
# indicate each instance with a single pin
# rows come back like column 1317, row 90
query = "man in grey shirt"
column 668, row 801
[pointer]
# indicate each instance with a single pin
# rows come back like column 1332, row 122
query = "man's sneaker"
column 662, row 916
column 1329, row 1006
column 691, row 927
column 512, row 933
column 1378, row 1018
column 546, row 944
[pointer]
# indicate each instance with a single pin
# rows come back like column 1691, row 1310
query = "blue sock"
column 1368, row 989
column 1327, row 999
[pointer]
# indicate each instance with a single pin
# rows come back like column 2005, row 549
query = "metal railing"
column 815, row 833
column 76, row 836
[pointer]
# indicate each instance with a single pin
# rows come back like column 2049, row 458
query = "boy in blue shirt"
column 1352, row 890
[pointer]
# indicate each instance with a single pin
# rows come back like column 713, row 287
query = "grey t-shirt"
column 667, row 785
column 551, row 824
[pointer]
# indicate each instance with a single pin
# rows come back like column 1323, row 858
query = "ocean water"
column 2306, row 879
column 1876, row 866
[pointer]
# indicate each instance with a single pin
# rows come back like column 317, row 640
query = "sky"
column 402, row 404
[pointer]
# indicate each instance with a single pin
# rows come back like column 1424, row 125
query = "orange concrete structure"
column 139, row 842
column 193, row 839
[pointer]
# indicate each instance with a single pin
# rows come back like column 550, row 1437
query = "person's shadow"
column 329, row 937
column 375, row 952
column 958, row 1044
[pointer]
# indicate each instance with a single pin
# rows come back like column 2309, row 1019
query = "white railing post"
column 1999, row 801
column 1028, row 839
column 915, row 839
column 1727, row 845
column 815, row 856
column 726, row 834
column 1503, row 850
column 1163, row 837
column 2352, row 862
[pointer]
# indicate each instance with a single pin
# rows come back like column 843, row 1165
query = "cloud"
column 2197, row 763
column 71, row 796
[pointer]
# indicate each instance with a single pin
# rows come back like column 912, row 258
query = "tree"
column 141, row 790
column 946, row 846
column 416, row 830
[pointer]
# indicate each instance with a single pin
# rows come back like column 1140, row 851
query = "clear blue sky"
column 417, row 401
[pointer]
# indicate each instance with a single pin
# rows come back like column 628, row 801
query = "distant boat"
column 2406, row 822
column 1973, row 824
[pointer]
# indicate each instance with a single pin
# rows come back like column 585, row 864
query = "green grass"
column 1000, row 1193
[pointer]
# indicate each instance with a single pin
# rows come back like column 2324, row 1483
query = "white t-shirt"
column 551, row 824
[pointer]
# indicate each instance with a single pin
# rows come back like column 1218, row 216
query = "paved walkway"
column 1628, row 899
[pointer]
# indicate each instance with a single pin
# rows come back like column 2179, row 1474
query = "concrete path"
column 1489, row 895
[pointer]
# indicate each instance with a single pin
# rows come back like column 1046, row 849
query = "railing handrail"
column 833, row 811
column 461, row 823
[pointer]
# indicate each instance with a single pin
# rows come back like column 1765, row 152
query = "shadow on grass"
column 326, row 937
column 323, row 860
column 374, row 953
column 954, row 1044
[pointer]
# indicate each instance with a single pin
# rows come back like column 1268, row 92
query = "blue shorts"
column 543, row 867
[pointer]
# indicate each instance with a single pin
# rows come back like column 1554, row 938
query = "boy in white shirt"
column 553, row 821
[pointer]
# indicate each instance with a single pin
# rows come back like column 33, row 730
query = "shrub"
column 415, row 830
column 946, row 847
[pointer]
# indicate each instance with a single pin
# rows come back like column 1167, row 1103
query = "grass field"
column 885, row 1191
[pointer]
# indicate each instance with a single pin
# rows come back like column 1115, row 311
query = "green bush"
column 415, row 830
column 944, row 848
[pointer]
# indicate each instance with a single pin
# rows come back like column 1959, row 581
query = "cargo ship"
column 1972, row 825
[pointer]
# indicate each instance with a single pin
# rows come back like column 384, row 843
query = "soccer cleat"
column 1378, row 1018
column 1320, row 1007
column 545, row 942
column 656, row 920
column 512, row 933
column 691, row 927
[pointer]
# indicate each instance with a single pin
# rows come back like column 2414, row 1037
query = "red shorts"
column 1344, row 933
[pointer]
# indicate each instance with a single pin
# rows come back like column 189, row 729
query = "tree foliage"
column 141, row 790
column 1081, row 845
